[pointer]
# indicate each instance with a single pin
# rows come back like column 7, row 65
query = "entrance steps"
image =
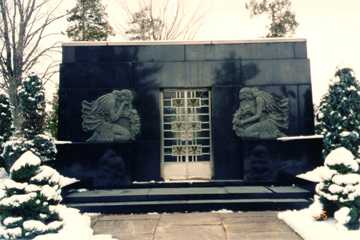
column 190, row 199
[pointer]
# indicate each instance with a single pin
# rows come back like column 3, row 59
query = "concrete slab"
column 183, row 191
column 246, row 189
column 94, row 219
column 212, row 232
column 130, row 217
column 272, row 214
column 263, row 236
column 260, row 226
column 126, row 227
column 288, row 189
column 191, row 219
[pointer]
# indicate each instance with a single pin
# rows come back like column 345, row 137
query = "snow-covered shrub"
column 32, row 105
column 36, row 140
column 6, row 123
column 339, row 190
column 29, row 200
column 337, row 116
column 6, row 120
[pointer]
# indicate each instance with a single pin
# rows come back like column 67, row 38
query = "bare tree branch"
column 24, row 25
column 162, row 20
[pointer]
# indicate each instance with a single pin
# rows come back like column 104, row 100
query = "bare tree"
column 23, row 30
column 162, row 20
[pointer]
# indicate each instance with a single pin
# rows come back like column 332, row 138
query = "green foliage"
column 338, row 115
column 32, row 105
column 88, row 22
column 52, row 116
column 24, row 173
column 12, row 151
column 283, row 22
column 6, row 120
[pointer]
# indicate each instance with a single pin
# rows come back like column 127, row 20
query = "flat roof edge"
column 147, row 43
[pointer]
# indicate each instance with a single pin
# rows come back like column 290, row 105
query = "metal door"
column 186, row 134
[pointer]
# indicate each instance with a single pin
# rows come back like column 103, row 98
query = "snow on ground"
column 76, row 226
column 308, row 228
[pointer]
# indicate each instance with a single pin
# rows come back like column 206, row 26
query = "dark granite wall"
column 279, row 68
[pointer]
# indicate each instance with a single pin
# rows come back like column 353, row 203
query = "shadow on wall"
column 232, row 72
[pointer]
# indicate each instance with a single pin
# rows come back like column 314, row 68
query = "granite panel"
column 67, row 98
column 147, row 103
column 106, row 53
column 161, row 53
column 159, row 74
column 187, row 74
column 226, row 72
column 96, row 75
column 300, row 50
column 68, row 54
column 200, row 73
column 225, row 102
column 285, row 50
column 146, row 163
column 279, row 161
column 228, row 162
column 264, row 51
column 96, row 165
column 270, row 72
column 233, row 51
column 306, row 112
column 200, row 52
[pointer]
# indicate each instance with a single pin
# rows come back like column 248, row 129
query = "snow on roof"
column 169, row 42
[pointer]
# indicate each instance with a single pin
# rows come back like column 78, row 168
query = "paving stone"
column 126, row 227
column 189, row 219
column 272, row 214
column 261, row 226
column 263, row 236
column 203, row 232
column 130, row 217
column 135, row 237
column 94, row 219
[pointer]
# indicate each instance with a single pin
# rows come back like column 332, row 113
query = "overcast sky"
column 331, row 27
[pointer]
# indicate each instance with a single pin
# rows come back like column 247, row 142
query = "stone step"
column 191, row 205
column 189, row 193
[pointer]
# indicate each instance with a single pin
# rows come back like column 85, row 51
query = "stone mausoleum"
column 143, row 111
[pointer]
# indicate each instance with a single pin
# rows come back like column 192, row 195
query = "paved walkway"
column 194, row 226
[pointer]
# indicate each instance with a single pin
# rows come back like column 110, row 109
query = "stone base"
column 96, row 165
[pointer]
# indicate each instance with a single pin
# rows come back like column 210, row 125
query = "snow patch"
column 27, row 158
column 305, row 225
column 341, row 156
column 342, row 215
column 11, row 220
column 16, row 200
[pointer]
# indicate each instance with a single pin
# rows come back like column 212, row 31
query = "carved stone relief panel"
column 111, row 117
column 260, row 115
